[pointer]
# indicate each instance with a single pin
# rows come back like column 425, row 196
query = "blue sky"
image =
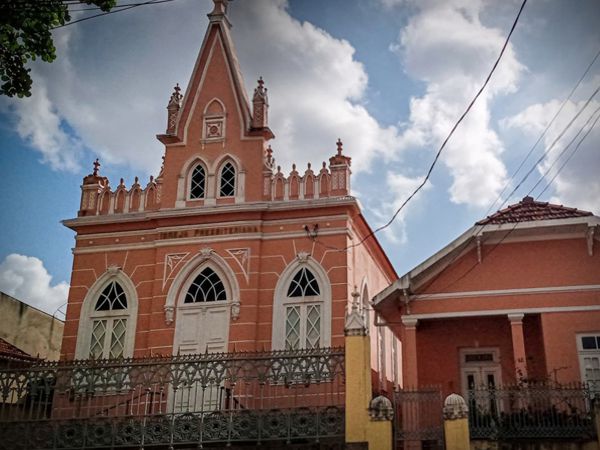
column 389, row 77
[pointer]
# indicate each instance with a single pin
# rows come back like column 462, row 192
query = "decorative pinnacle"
column 260, row 82
column 176, row 96
column 339, row 147
column 96, row 167
column 220, row 7
column 355, row 294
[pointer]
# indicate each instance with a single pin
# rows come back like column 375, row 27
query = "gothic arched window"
column 206, row 287
column 198, row 183
column 109, row 323
column 108, row 318
column 302, row 307
column 227, row 181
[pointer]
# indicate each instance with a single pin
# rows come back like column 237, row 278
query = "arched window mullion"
column 206, row 287
column 198, row 183
column 227, row 180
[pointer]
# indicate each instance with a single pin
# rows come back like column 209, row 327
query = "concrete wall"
column 30, row 329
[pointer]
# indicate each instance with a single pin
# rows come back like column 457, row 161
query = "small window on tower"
column 227, row 188
column 198, row 183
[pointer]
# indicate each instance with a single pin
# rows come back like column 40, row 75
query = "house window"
column 206, row 287
column 198, row 183
column 302, row 311
column 589, row 359
column 227, row 181
column 109, row 323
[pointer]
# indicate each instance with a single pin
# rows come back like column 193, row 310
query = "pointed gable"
column 216, row 75
column 528, row 210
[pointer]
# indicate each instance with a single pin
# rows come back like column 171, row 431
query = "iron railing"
column 532, row 411
column 418, row 421
column 193, row 399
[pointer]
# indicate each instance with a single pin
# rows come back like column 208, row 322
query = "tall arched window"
column 109, row 323
column 108, row 318
column 302, row 316
column 198, row 183
column 227, row 181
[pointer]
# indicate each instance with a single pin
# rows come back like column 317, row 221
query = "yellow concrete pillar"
column 456, row 423
column 366, row 420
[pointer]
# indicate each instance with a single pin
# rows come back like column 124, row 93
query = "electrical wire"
column 149, row 2
column 439, row 152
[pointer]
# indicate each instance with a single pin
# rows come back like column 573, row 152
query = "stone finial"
column 220, row 7
column 340, row 145
column 381, row 408
column 260, row 105
column 455, row 407
column 176, row 97
column 173, row 109
column 355, row 321
column 96, row 167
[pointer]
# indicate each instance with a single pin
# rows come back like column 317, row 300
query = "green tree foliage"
column 26, row 34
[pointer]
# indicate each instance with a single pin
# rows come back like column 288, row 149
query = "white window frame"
column 236, row 178
column 281, row 301
column 89, row 315
column 189, row 181
column 586, row 353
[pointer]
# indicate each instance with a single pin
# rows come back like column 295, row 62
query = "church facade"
column 221, row 251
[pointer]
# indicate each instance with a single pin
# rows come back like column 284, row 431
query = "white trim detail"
column 502, row 292
column 502, row 312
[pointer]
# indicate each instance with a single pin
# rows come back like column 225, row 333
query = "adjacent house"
column 514, row 299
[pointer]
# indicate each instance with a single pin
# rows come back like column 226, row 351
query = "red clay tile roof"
column 9, row 351
column 528, row 210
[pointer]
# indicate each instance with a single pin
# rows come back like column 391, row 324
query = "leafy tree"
column 26, row 34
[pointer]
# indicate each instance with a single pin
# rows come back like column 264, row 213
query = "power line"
column 571, row 155
column 476, row 230
column 439, row 152
column 590, row 65
column 133, row 5
column 567, row 147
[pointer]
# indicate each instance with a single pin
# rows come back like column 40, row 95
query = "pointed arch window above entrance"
column 206, row 287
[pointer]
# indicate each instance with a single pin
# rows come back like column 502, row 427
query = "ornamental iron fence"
column 547, row 411
column 288, row 396
column 418, row 420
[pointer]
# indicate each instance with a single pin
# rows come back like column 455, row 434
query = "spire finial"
column 96, row 167
column 220, row 7
column 339, row 147
column 176, row 96
column 260, row 82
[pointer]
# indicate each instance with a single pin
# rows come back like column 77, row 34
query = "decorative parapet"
column 98, row 198
column 455, row 408
column 330, row 181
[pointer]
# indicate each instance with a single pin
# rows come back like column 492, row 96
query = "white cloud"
column 446, row 46
column 400, row 188
column 575, row 182
column 316, row 87
column 26, row 279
